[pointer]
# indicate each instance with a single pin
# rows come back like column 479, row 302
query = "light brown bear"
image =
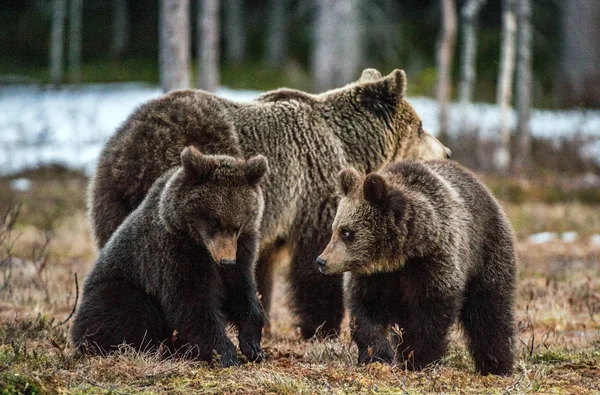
column 424, row 243
column 307, row 139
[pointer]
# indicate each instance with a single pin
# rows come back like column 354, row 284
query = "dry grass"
column 558, row 313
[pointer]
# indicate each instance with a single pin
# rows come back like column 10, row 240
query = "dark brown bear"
column 182, row 261
column 307, row 139
column 424, row 243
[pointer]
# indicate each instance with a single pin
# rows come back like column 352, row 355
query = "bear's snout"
column 322, row 263
column 223, row 249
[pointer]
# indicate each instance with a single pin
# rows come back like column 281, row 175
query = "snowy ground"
column 69, row 126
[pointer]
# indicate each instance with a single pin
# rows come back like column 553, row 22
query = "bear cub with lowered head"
column 424, row 243
column 181, row 266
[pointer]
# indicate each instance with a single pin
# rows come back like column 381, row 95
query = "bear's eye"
column 213, row 226
column 347, row 235
column 420, row 129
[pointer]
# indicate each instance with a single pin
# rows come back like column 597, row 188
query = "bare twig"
column 74, row 305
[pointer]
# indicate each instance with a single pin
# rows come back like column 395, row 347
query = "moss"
column 14, row 383
column 561, row 357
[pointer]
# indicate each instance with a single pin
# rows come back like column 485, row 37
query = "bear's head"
column 215, row 200
column 382, row 117
column 369, row 229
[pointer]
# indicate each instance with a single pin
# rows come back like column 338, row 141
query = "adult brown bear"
column 307, row 139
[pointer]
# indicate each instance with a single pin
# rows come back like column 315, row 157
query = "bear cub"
column 181, row 266
column 424, row 244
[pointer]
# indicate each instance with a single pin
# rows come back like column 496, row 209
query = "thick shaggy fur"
column 181, row 266
column 307, row 139
column 424, row 244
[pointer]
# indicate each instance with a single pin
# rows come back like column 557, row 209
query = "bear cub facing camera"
column 181, row 266
column 424, row 244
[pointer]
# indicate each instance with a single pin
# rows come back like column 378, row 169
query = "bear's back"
column 150, row 140
column 140, row 245
column 456, row 194
column 485, row 225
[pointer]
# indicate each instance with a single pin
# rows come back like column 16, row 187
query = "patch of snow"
column 569, row 237
column 20, row 184
column 70, row 126
column 543, row 237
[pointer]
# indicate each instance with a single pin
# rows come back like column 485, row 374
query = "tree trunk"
column 75, row 40
column 524, row 83
column 174, row 44
column 469, row 16
column 235, row 31
column 208, row 44
column 57, row 41
column 580, row 83
column 505, row 83
column 338, row 52
column 445, row 55
column 277, row 33
column 121, row 29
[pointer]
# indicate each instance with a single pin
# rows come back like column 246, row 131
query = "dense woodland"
column 307, row 44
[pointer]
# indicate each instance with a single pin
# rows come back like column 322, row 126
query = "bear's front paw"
column 252, row 351
column 226, row 357
column 383, row 354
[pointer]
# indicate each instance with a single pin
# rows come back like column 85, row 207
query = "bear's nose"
column 321, row 262
column 226, row 262
column 448, row 153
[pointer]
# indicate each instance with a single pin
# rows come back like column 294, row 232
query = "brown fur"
column 181, row 265
column 307, row 139
column 424, row 243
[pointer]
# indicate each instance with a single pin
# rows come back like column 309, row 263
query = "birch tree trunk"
column 523, row 90
column 174, row 44
column 277, row 33
column 468, row 76
column 505, row 83
column 208, row 42
column 76, row 18
column 121, row 29
column 338, row 52
column 580, row 31
column 57, row 41
column 235, row 31
column 445, row 55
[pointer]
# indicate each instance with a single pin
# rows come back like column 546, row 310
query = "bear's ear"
column 255, row 169
column 382, row 94
column 370, row 75
column 397, row 203
column 349, row 180
column 196, row 164
column 375, row 189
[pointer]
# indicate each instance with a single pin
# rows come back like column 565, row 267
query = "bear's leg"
column 107, row 210
column 195, row 313
column 488, row 321
column 425, row 330
column 115, row 314
column 241, row 303
column 316, row 298
column 267, row 259
column 371, row 336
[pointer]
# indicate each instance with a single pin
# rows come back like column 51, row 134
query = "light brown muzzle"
column 328, row 261
column 434, row 149
column 223, row 249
